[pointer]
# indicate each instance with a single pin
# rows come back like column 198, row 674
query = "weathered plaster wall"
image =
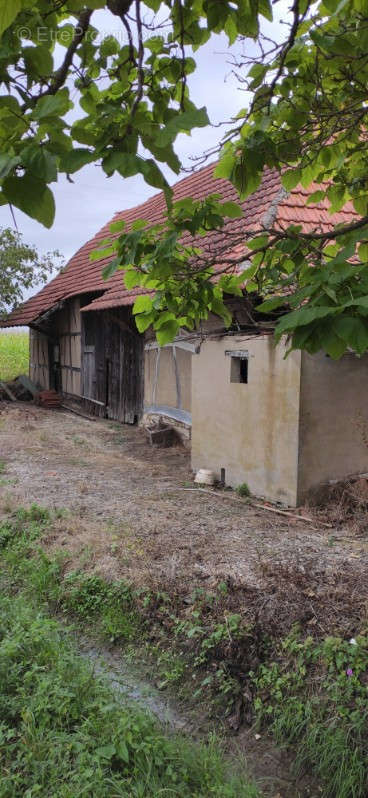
column 250, row 429
column 184, row 363
column 166, row 393
column 333, row 419
column 165, row 384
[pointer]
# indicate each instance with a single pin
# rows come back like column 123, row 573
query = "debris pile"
column 22, row 389
column 49, row 399
column 160, row 434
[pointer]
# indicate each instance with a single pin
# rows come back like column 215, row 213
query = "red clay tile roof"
column 81, row 275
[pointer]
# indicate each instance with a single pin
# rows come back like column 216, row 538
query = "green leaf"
column 118, row 226
column 182, row 123
column 7, row 164
column 110, row 269
column 167, row 332
column 31, row 196
column 38, row 60
column 332, row 344
column 131, row 278
column 353, row 332
column 271, row 304
column 143, row 304
column 218, row 307
column 163, row 318
column 106, row 751
column 75, row 159
column 291, row 179
column 40, row 162
column 52, row 105
column 9, row 10
column 363, row 252
column 143, row 321
column 231, row 209
column 301, row 317
column 103, row 252
column 122, row 751
column 154, row 177
column 316, row 197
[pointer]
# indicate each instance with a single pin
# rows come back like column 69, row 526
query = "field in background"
column 14, row 354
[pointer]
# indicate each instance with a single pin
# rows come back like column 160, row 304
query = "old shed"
column 283, row 426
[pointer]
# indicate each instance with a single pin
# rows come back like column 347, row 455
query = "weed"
column 78, row 441
column 315, row 696
column 243, row 490
column 2, row 466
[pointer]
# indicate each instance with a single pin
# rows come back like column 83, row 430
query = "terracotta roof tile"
column 82, row 275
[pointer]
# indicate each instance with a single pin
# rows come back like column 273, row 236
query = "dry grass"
column 127, row 516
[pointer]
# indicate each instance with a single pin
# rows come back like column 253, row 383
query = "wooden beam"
column 7, row 391
column 122, row 324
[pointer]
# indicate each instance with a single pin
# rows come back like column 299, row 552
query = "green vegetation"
column 311, row 693
column 314, row 695
column 21, row 268
column 14, row 354
column 63, row 732
column 243, row 490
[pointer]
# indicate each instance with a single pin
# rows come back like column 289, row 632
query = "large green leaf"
column 9, row 10
column 184, row 122
column 38, row 60
column 32, row 196
column 52, row 105
column 75, row 159
column 40, row 163
column 7, row 164
column 353, row 331
column 167, row 332
column 301, row 317
column 143, row 304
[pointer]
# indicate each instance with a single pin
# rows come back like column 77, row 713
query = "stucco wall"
column 333, row 419
column 250, row 429
column 167, row 384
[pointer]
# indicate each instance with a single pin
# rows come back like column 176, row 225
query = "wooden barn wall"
column 39, row 370
column 112, row 365
column 67, row 327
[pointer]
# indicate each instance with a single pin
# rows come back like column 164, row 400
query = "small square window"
column 239, row 369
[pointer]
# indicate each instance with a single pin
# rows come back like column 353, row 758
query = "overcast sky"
column 85, row 206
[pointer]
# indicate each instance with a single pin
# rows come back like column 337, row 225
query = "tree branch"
column 79, row 33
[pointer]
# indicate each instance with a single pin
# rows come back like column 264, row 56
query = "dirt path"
column 130, row 516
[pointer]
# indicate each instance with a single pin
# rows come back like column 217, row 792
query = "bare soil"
column 135, row 513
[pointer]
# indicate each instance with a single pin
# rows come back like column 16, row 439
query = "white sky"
column 85, row 206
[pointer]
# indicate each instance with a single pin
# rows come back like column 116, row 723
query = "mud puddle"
column 126, row 680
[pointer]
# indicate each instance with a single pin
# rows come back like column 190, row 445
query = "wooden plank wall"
column 68, row 329
column 39, row 359
column 117, row 378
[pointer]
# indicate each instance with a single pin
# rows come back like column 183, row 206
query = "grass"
column 311, row 693
column 63, row 731
column 14, row 354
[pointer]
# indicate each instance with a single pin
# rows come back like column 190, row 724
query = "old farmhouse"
column 283, row 426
